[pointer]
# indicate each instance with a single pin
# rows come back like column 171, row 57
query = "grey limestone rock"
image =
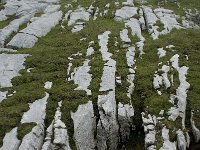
column 84, row 126
column 181, row 141
column 34, row 139
column 43, row 25
column 29, row 36
column 125, row 13
column 10, row 141
column 10, row 65
column 12, row 27
column 3, row 95
column 22, row 40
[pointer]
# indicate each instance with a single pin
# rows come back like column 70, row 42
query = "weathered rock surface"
column 34, row 139
column 25, row 11
column 82, row 77
column 10, row 64
column 125, row 13
column 165, row 16
column 181, row 141
column 10, row 140
column 149, row 123
column 56, row 134
column 77, row 18
column 3, row 95
column 126, row 111
column 161, row 52
column 181, row 92
column 36, row 114
column 167, row 145
column 48, row 85
column 13, row 27
column 162, row 79
column 84, row 126
column 22, row 40
column 37, row 111
column 79, row 14
column 107, row 127
column 36, row 29
column 124, row 36
column 43, row 25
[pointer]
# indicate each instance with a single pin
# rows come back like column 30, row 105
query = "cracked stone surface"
column 125, row 13
column 124, row 36
column 22, row 40
column 36, row 114
column 163, row 79
column 34, row 139
column 43, row 25
column 75, row 17
column 13, row 27
column 56, row 133
column 10, row 64
column 149, row 129
column 181, row 92
column 106, row 103
column 36, row 29
column 25, row 11
column 83, row 128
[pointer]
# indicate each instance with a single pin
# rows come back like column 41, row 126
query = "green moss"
column 160, row 25
column 7, row 21
column 14, row 33
column 38, row 14
column 137, row 16
column 49, row 60
column 184, row 4
column 24, row 129
column 1, row 6
column 145, row 97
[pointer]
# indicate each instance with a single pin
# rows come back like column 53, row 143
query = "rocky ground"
column 99, row 74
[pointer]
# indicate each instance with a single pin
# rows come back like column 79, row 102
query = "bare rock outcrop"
column 84, row 126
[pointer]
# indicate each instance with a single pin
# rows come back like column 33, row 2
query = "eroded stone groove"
column 126, row 111
column 81, row 75
column 178, row 110
column 107, row 127
column 56, row 134
column 34, row 139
